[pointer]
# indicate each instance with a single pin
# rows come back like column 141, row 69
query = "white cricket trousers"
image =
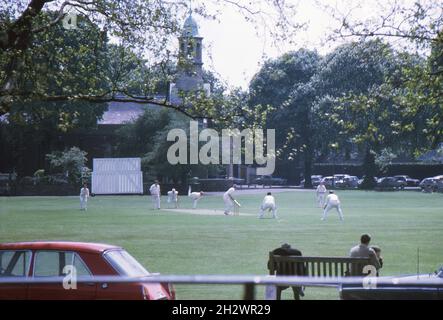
column 229, row 205
column 268, row 206
column 321, row 199
column 330, row 207
column 194, row 205
column 83, row 203
column 156, row 201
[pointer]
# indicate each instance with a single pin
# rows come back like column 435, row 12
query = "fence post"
column 249, row 291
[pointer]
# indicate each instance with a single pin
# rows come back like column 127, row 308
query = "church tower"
column 190, row 62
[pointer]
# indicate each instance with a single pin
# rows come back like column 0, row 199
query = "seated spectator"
column 364, row 251
column 287, row 250
column 377, row 250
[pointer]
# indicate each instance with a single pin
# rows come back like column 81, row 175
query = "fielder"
column 268, row 204
column 155, row 194
column 195, row 196
column 84, row 195
column 228, row 200
column 321, row 193
column 332, row 201
column 173, row 197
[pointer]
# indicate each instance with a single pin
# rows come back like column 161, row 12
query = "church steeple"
column 190, row 55
column 190, row 63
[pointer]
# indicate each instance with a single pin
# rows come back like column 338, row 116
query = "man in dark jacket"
column 287, row 250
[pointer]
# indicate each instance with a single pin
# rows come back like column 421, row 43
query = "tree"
column 284, row 84
column 33, row 125
column 70, row 162
column 141, row 26
column 146, row 138
column 418, row 91
column 361, row 107
column 306, row 91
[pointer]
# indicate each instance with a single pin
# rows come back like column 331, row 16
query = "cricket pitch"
column 206, row 212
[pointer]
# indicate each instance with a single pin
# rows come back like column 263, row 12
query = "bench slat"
column 316, row 266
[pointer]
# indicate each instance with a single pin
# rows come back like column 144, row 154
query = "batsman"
column 229, row 200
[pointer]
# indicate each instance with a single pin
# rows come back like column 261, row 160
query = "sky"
column 235, row 52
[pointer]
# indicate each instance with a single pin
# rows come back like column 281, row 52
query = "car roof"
column 58, row 245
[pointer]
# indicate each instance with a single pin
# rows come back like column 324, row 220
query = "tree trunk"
column 369, row 169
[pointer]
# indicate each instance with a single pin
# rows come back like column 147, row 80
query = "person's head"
column 173, row 190
column 85, row 185
column 286, row 246
column 365, row 239
column 322, row 183
column 202, row 193
column 331, row 192
column 269, row 194
column 156, row 181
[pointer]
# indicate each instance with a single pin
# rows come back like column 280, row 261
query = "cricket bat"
column 237, row 206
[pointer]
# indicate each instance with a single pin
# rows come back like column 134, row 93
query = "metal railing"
column 248, row 281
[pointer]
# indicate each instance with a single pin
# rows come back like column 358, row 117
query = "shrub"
column 70, row 162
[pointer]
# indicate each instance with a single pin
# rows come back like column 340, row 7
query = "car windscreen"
column 125, row 264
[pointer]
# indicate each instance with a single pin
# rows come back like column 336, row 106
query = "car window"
column 125, row 264
column 14, row 263
column 80, row 266
column 52, row 263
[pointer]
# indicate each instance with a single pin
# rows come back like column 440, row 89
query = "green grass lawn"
column 177, row 243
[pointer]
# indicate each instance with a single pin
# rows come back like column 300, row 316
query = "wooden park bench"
column 316, row 266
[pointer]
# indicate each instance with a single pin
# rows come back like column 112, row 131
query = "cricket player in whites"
column 332, row 201
column 321, row 193
column 229, row 200
column 84, row 195
column 155, row 194
column 268, row 204
column 195, row 196
column 173, row 197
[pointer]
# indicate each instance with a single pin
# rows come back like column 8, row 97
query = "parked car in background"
column 338, row 177
column 398, row 288
column 349, row 182
column 270, row 181
column 432, row 183
column 408, row 180
column 331, row 181
column 328, row 181
column 390, row 183
column 315, row 179
column 47, row 259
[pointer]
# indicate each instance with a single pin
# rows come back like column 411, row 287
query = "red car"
column 37, row 260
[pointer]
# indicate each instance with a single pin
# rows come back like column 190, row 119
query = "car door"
column 14, row 263
column 52, row 264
